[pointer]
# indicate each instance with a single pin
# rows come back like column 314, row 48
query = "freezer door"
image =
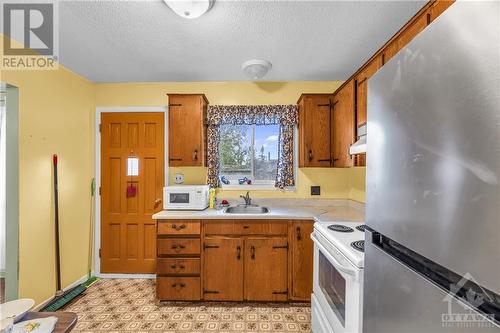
column 433, row 167
column 397, row 299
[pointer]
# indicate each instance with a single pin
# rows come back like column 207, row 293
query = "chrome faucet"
column 248, row 200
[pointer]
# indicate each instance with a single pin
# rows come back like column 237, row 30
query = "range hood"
column 359, row 147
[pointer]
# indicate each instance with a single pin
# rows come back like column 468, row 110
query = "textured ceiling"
column 130, row 41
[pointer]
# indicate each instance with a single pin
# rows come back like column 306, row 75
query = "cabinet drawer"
column 178, row 288
column 179, row 227
column 178, row 266
column 218, row 227
column 260, row 227
column 178, row 246
column 278, row 227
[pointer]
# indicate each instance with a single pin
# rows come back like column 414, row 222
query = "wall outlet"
column 179, row 178
column 315, row 190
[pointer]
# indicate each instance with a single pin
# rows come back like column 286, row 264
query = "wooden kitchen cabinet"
column 343, row 125
column 301, row 260
column 266, row 269
column 223, row 269
column 178, row 260
column 314, row 130
column 234, row 260
column 187, row 135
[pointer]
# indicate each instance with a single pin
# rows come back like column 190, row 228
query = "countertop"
column 321, row 210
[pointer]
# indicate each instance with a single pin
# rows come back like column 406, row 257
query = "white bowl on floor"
column 16, row 309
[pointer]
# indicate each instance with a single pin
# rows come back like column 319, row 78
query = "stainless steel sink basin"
column 247, row 210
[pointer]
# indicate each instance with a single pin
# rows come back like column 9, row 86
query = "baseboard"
column 126, row 276
column 70, row 286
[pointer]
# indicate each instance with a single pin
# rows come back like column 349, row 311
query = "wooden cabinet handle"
column 324, row 160
column 299, row 236
column 175, row 266
column 252, row 252
column 182, row 285
column 178, row 227
column 310, row 155
column 195, row 155
column 238, row 252
column 174, row 159
column 178, row 247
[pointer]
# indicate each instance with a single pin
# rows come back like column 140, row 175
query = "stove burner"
column 361, row 227
column 340, row 228
column 359, row 245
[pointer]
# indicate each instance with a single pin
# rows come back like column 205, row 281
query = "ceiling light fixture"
column 189, row 8
column 256, row 68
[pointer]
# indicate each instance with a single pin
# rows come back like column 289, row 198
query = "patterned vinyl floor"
column 128, row 305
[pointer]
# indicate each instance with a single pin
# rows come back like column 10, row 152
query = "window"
column 248, row 154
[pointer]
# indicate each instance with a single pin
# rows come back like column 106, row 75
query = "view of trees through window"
column 249, row 151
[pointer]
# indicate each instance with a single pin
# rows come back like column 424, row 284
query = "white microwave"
column 186, row 197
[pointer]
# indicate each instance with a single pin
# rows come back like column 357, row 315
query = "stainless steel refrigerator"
column 432, row 257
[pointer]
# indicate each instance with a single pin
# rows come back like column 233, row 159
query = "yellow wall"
column 335, row 182
column 56, row 116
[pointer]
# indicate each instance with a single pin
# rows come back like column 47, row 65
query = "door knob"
column 157, row 203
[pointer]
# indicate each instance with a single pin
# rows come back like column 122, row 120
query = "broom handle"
column 56, row 211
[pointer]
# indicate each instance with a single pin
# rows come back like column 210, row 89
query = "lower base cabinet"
column 223, row 269
column 236, row 260
column 266, row 269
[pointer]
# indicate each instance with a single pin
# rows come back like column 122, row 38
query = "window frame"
column 266, row 185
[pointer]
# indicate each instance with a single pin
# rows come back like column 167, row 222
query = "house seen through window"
column 248, row 154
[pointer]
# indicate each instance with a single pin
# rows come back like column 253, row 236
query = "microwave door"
column 179, row 198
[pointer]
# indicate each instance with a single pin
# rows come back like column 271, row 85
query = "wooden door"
column 266, row 269
column 223, row 269
column 314, row 131
column 128, row 232
column 302, row 260
column 343, row 126
column 187, row 130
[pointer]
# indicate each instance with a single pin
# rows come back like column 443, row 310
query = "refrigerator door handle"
column 331, row 259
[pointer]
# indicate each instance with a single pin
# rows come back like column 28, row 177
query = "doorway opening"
column 9, row 192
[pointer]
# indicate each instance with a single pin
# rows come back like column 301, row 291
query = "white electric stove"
column 337, row 298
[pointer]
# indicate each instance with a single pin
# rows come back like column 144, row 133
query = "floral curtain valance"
column 252, row 115
column 284, row 115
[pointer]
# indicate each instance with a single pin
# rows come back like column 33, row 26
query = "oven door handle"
column 331, row 258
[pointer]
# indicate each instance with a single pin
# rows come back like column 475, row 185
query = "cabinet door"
column 362, row 89
column 186, row 130
column 302, row 260
column 223, row 269
column 314, row 131
column 266, row 269
column 343, row 125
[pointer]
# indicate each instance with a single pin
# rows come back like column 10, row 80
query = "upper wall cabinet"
column 314, row 130
column 409, row 31
column 187, row 133
column 343, row 125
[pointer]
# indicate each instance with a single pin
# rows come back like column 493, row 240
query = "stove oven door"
column 337, row 290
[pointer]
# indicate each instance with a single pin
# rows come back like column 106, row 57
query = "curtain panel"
column 286, row 116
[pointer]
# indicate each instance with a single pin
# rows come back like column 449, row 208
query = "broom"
column 64, row 297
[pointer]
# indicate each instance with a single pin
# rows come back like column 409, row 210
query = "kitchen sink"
column 247, row 210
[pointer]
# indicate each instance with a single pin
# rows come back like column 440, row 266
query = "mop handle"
column 56, row 213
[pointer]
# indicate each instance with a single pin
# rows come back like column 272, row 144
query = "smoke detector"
column 256, row 69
